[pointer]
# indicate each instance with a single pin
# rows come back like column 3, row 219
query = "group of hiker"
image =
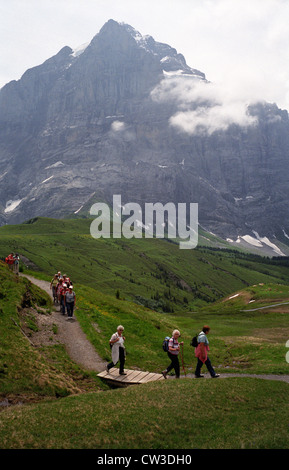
column 173, row 347
column 63, row 293
column 13, row 260
column 201, row 353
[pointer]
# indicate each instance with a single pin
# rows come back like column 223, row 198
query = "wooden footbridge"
column 132, row 377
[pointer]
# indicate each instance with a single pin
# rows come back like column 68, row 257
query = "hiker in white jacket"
column 117, row 350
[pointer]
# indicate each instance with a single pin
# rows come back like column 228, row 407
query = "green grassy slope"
column 153, row 272
column 215, row 414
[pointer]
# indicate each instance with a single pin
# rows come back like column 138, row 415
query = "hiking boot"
column 164, row 372
column 122, row 373
column 199, row 376
column 215, row 376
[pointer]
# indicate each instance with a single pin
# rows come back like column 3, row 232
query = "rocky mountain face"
column 88, row 124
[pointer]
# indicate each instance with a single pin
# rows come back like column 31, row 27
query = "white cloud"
column 203, row 106
column 121, row 131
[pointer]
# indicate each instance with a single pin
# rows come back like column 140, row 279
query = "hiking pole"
column 182, row 356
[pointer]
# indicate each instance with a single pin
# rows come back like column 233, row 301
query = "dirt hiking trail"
column 69, row 333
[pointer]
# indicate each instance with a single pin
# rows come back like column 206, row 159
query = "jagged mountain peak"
column 112, row 31
column 121, row 36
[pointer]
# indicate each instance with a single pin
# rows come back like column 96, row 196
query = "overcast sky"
column 241, row 45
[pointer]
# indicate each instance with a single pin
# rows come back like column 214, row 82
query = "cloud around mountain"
column 203, row 107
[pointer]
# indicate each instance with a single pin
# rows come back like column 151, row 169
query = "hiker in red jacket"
column 201, row 353
column 10, row 261
column 66, row 280
column 62, row 291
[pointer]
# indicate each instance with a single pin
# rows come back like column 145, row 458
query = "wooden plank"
column 102, row 374
column 125, row 378
column 152, row 377
column 140, row 377
column 113, row 373
column 132, row 377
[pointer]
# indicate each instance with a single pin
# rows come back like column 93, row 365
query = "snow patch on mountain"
column 11, row 205
column 117, row 126
column 78, row 210
column 54, row 165
column 266, row 241
column 179, row 73
column 259, row 242
column 252, row 240
column 285, row 234
column 47, row 179
column 79, row 50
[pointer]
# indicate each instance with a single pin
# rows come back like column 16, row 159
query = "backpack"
column 166, row 343
column 194, row 343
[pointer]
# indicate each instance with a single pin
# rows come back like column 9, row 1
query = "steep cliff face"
column 87, row 125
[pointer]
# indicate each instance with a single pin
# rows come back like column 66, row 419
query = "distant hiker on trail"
column 174, row 349
column 66, row 280
column 117, row 350
column 59, row 286
column 53, row 287
column 201, row 352
column 10, row 261
column 70, row 299
column 61, row 295
column 59, row 275
column 16, row 263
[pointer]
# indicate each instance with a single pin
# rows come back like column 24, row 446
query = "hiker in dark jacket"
column 174, row 349
column 16, row 263
column 70, row 299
